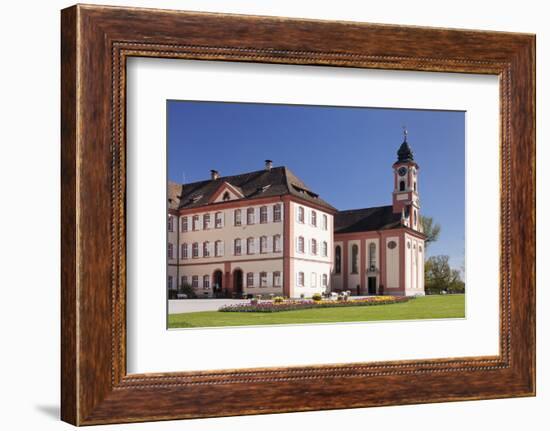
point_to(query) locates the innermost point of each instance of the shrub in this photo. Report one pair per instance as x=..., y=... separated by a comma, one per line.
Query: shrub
x=317, y=297
x=186, y=289
x=278, y=299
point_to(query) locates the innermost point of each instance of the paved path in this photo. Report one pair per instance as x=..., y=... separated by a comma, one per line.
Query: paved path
x=194, y=305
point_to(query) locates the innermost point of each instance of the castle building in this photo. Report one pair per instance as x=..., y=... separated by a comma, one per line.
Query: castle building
x=266, y=232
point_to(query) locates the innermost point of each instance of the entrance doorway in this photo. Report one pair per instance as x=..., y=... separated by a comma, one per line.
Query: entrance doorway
x=237, y=283
x=217, y=283
x=372, y=285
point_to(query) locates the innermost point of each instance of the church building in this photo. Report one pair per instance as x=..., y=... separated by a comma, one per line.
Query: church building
x=266, y=232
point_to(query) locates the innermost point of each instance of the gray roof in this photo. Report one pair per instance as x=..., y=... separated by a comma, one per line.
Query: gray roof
x=277, y=181
x=366, y=219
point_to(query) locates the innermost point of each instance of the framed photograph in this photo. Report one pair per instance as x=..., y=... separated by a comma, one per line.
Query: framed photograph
x=328, y=215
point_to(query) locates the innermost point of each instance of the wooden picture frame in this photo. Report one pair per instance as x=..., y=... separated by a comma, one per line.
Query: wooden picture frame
x=95, y=43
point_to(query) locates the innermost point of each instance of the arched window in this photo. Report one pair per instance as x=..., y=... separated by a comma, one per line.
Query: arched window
x=250, y=245
x=170, y=251
x=170, y=224
x=263, y=279
x=325, y=222
x=277, y=278
x=206, y=221
x=415, y=186
x=372, y=255
x=401, y=186
x=314, y=218
x=301, y=213
x=276, y=243
x=263, y=214
x=325, y=249
x=184, y=253
x=195, y=249
x=250, y=216
x=195, y=222
x=218, y=248
x=237, y=217
x=206, y=282
x=301, y=279
x=263, y=244
x=314, y=246
x=354, y=258
x=218, y=220
x=338, y=259
x=414, y=218
x=300, y=244
x=184, y=225
x=237, y=247
x=206, y=249
x=277, y=212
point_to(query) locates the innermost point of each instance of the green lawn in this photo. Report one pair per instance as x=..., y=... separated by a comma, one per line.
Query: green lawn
x=427, y=307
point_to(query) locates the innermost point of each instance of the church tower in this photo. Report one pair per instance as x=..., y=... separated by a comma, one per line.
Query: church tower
x=405, y=192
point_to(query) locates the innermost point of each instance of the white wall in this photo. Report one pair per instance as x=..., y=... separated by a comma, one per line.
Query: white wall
x=30, y=165
x=392, y=262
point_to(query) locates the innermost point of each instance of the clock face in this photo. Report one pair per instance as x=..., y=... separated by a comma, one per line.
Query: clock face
x=402, y=171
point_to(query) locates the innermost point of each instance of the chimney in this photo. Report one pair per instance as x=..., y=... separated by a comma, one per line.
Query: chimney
x=214, y=175
x=268, y=165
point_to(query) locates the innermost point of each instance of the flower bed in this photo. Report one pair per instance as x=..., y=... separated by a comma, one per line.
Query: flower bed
x=289, y=305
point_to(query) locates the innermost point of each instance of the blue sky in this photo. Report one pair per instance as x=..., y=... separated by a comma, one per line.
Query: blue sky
x=343, y=154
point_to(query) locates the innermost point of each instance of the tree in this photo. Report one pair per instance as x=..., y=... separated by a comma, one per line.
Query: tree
x=430, y=229
x=440, y=277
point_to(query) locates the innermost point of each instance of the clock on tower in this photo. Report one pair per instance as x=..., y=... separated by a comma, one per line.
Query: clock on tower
x=405, y=193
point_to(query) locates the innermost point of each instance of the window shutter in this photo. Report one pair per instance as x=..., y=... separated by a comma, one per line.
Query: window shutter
x=223, y=220
x=269, y=280
x=222, y=246
x=309, y=246
x=233, y=247
x=200, y=249
x=256, y=245
x=269, y=244
x=270, y=213
x=297, y=245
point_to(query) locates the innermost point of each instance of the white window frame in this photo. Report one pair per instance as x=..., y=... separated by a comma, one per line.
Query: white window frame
x=277, y=213
x=249, y=277
x=195, y=247
x=263, y=279
x=170, y=251
x=206, y=249
x=313, y=281
x=263, y=244
x=301, y=279
x=263, y=214
x=195, y=281
x=195, y=223
x=237, y=221
x=218, y=220
x=325, y=222
x=206, y=221
x=250, y=249
x=301, y=214
x=184, y=251
x=206, y=282
x=313, y=218
x=170, y=224
x=239, y=248
x=277, y=243
x=250, y=216
x=277, y=279
x=184, y=224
